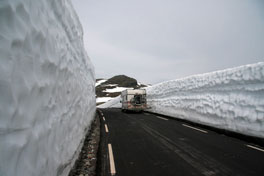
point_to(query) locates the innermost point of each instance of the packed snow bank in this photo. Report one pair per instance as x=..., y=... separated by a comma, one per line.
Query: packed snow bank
x=46, y=87
x=103, y=99
x=231, y=99
x=114, y=103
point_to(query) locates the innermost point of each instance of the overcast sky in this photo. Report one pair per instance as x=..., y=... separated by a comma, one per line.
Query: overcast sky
x=159, y=40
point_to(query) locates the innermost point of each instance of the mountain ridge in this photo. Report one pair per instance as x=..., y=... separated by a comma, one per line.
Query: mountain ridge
x=106, y=89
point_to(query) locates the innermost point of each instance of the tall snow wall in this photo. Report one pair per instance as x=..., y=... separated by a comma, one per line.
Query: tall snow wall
x=231, y=99
x=47, y=96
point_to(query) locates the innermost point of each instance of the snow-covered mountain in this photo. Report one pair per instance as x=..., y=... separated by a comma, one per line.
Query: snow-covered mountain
x=231, y=99
x=107, y=89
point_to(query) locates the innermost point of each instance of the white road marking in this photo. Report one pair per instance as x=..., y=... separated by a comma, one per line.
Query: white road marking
x=161, y=118
x=106, y=128
x=103, y=118
x=111, y=159
x=146, y=113
x=259, y=149
x=195, y=128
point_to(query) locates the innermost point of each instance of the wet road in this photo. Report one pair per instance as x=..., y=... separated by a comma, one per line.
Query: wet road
x=143, y=144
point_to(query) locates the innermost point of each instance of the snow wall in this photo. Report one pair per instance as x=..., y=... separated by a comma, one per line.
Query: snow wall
x=46, y=87
x=231, y=99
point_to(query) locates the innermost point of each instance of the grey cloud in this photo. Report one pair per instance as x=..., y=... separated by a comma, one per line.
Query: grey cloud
x=157, y=40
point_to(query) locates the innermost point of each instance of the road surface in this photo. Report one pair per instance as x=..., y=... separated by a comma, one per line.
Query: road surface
x=144, y=144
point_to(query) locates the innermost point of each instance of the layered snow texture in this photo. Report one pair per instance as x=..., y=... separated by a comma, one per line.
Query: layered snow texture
x=46, y=87
x=231, y=99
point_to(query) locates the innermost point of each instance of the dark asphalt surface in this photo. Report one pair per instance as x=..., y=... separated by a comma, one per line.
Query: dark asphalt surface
x=145, y=145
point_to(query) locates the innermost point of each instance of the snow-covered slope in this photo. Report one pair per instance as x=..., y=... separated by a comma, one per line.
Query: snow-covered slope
x=116, y=89
x=46, y=87
x=103, y=99
x=231, y=99
x=107, y=89
x=113, y=103
x=99, y=82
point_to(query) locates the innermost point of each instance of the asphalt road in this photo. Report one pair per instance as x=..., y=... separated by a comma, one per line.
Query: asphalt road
x=143, y=144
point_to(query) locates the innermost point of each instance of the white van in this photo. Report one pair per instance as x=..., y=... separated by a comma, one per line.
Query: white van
x=134, y=100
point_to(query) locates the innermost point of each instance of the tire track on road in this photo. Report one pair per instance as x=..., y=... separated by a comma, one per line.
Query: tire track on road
x=203, y=163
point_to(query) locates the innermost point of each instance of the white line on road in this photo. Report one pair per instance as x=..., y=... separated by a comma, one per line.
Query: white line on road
x=195, y=128
x=146, y=113
x=103, y=118
x=161, y=118
x=106, y=128
x=255, y=148
x=111, y=159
